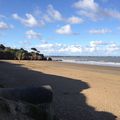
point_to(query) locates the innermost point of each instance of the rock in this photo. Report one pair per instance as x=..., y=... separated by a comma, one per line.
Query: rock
x=31, y=103
x=34, y=95
x=49, y=59
x=1, y=86
x=12, y=110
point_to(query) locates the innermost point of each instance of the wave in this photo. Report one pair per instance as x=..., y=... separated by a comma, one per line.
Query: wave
x=101, y=61
x=112, y=64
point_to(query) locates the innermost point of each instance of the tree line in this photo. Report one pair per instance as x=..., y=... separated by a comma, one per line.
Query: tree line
x=8, y=53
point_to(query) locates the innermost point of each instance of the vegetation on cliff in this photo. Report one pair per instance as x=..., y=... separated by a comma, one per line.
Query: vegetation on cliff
x=8, y=53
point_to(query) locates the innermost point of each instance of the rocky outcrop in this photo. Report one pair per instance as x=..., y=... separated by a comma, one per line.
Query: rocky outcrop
x=49, y=59
x=19, y=104
x=8, y=53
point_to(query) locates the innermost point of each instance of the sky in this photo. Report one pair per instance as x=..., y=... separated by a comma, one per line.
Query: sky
x=62, y=27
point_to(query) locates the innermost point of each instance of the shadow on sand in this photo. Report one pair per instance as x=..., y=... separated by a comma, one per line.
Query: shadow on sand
x=69, y=102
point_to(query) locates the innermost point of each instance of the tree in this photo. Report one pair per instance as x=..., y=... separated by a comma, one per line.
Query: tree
x=34, y=49
x=2, y=47
x=20, y=54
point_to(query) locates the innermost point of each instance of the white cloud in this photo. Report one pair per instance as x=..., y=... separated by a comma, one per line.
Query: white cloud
x=29, y=21
x=53, y=14
x=71, y=49
x=49, y=48
x=94, y=11
x=75, y=20
x=86, y=4
x=46, y=18
x=94, y=47
x=39, y=18
x=96, y=43
x=59, y=48
x=4, y=26
x=90, y=49
x=65, y=30
x=103, y=47
x=113, y=13
x=33, y=35
x=89, y=9
x=112, y=48
x=99, y=31
x=90, y=15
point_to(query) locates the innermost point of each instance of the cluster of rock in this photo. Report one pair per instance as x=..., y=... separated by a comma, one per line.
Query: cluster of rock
x=8, y=53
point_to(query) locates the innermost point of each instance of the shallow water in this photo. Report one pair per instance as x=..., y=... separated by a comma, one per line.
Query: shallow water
x=94, y=60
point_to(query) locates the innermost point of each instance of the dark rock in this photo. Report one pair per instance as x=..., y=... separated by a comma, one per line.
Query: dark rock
x=12, y=110
x=2, y=86
x=49, y=59
x=30, y=103
x=45, y=58
x=34, y=95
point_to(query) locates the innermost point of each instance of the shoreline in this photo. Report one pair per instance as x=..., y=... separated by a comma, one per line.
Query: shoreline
x=94, y=60
x=74, y=66
x=89, y=67
x=111, y=64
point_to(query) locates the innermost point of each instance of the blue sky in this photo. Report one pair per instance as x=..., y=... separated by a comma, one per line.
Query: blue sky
x=62, y=27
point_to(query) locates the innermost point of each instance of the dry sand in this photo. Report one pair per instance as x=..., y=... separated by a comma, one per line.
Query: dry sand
x=81, y=92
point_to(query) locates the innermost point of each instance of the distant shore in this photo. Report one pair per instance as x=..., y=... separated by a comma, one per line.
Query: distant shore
x=80, y=91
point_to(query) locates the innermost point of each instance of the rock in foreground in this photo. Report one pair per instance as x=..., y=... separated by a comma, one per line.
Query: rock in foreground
x=12, y=108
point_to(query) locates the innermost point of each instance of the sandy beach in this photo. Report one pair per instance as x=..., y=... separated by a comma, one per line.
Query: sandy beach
x=81, y=92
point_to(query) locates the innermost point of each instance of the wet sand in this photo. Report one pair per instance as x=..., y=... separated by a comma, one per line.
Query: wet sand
x=81, y=92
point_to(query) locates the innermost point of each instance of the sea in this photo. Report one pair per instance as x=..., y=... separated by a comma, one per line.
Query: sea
x=91, y=60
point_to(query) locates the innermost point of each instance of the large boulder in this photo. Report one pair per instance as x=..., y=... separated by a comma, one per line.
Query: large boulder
x=34, y=95
x=32, y=103
x=49, y=59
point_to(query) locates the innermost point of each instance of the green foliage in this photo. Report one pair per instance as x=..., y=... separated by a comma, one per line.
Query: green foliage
x=6, y=55
x=34, y=49
x=20, y=54
x=2, y=47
